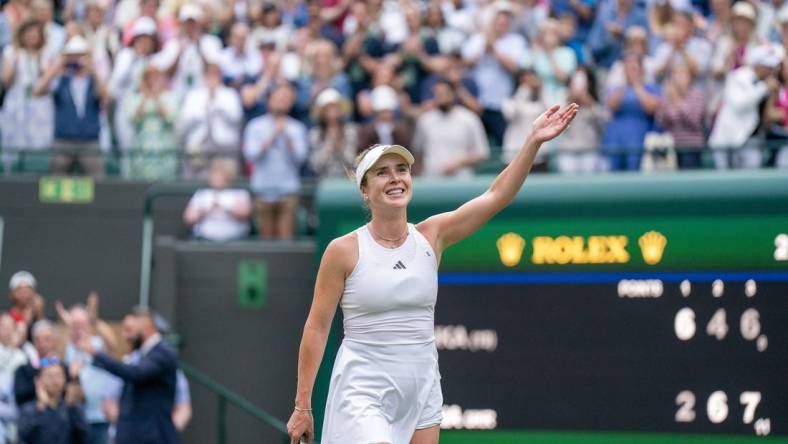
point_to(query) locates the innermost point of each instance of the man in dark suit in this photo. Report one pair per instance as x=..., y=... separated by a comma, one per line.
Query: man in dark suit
x=146, y=404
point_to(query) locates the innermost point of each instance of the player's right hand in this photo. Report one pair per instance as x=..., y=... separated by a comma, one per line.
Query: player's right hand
x=301, y=427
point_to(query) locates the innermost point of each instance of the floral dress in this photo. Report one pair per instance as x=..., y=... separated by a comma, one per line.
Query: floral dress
x=28, y=120
x=154, y=156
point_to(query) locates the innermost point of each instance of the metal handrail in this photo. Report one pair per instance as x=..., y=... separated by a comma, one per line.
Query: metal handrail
x=226, y=395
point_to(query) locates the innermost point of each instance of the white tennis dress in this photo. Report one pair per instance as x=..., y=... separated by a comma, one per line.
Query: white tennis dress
x=385, y=383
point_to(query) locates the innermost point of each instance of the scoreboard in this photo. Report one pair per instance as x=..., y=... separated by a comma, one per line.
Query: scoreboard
x=643, y=309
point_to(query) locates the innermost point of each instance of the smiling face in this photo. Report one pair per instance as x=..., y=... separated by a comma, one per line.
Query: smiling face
x=388, y=184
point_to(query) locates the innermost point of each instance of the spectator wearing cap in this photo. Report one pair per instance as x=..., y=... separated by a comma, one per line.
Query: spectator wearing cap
x=495, y=57
x=682, y=46
x=44, y=348
x=27, y=120
x=78, y=94
x=241, y=62
x=449, y=138
x=27, y=306
x=386, y=127
x=613, y=18
x=632, y=108
x=682, y=113
x=730, y=49
x=277, y=146
x=735, y=136
x=220, y=212
x=54, y=416
x=333, y=138
x=149, y=383
x=209, y=124
x=322, y=70
x=185, y=57
x=126, y=78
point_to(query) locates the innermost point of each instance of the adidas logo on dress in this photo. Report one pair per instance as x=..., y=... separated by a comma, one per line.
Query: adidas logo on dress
x=399, y=266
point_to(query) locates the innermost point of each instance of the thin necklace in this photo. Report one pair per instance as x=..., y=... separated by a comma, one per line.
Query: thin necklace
x=386, y=239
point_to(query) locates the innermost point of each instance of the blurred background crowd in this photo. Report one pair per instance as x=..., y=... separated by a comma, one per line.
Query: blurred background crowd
x=81, y=380
x=291, y=90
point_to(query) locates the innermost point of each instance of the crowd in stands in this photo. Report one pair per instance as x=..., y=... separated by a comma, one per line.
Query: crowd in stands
x=60, y=382
x=296, y=88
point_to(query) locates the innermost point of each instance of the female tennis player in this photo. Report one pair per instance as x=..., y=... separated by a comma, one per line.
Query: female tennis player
x=385, y=385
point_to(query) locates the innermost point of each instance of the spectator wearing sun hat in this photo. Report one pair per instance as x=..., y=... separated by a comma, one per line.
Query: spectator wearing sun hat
x=185, y=56
x=334, y=140
x=387, y=126
x=77, y=92
x=736, y=136
x=27, y=306
x=730, y=50
x=124, y=83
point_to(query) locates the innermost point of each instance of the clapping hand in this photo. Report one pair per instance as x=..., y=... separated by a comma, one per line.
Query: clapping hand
x=552, y=122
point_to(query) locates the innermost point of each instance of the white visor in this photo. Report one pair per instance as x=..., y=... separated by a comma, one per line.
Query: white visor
x=374, y=154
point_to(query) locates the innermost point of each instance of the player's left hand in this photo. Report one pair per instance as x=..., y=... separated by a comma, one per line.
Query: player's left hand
x=552, y=122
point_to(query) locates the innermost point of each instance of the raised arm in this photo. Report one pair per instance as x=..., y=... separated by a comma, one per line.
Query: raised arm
x=449, y=228
x=337, y=263
x=148, y=369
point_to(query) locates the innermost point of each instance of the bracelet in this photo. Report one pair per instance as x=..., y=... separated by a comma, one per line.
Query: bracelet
x=302, y=410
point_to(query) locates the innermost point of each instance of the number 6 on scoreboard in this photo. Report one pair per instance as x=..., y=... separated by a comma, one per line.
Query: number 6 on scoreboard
x=750, y=400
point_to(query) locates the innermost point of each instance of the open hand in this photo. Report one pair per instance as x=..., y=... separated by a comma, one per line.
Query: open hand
x=552, y=122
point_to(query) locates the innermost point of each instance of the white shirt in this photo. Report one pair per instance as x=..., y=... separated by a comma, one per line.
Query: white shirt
x=738, y=116
x=222, y=115
x=246, y=64
x=188, y=74
x=219, y=224
x=445, y=138
x=150, y=343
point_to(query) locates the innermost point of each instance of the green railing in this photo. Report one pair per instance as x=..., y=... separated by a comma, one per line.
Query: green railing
x=126, y=164
x=226, y=396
